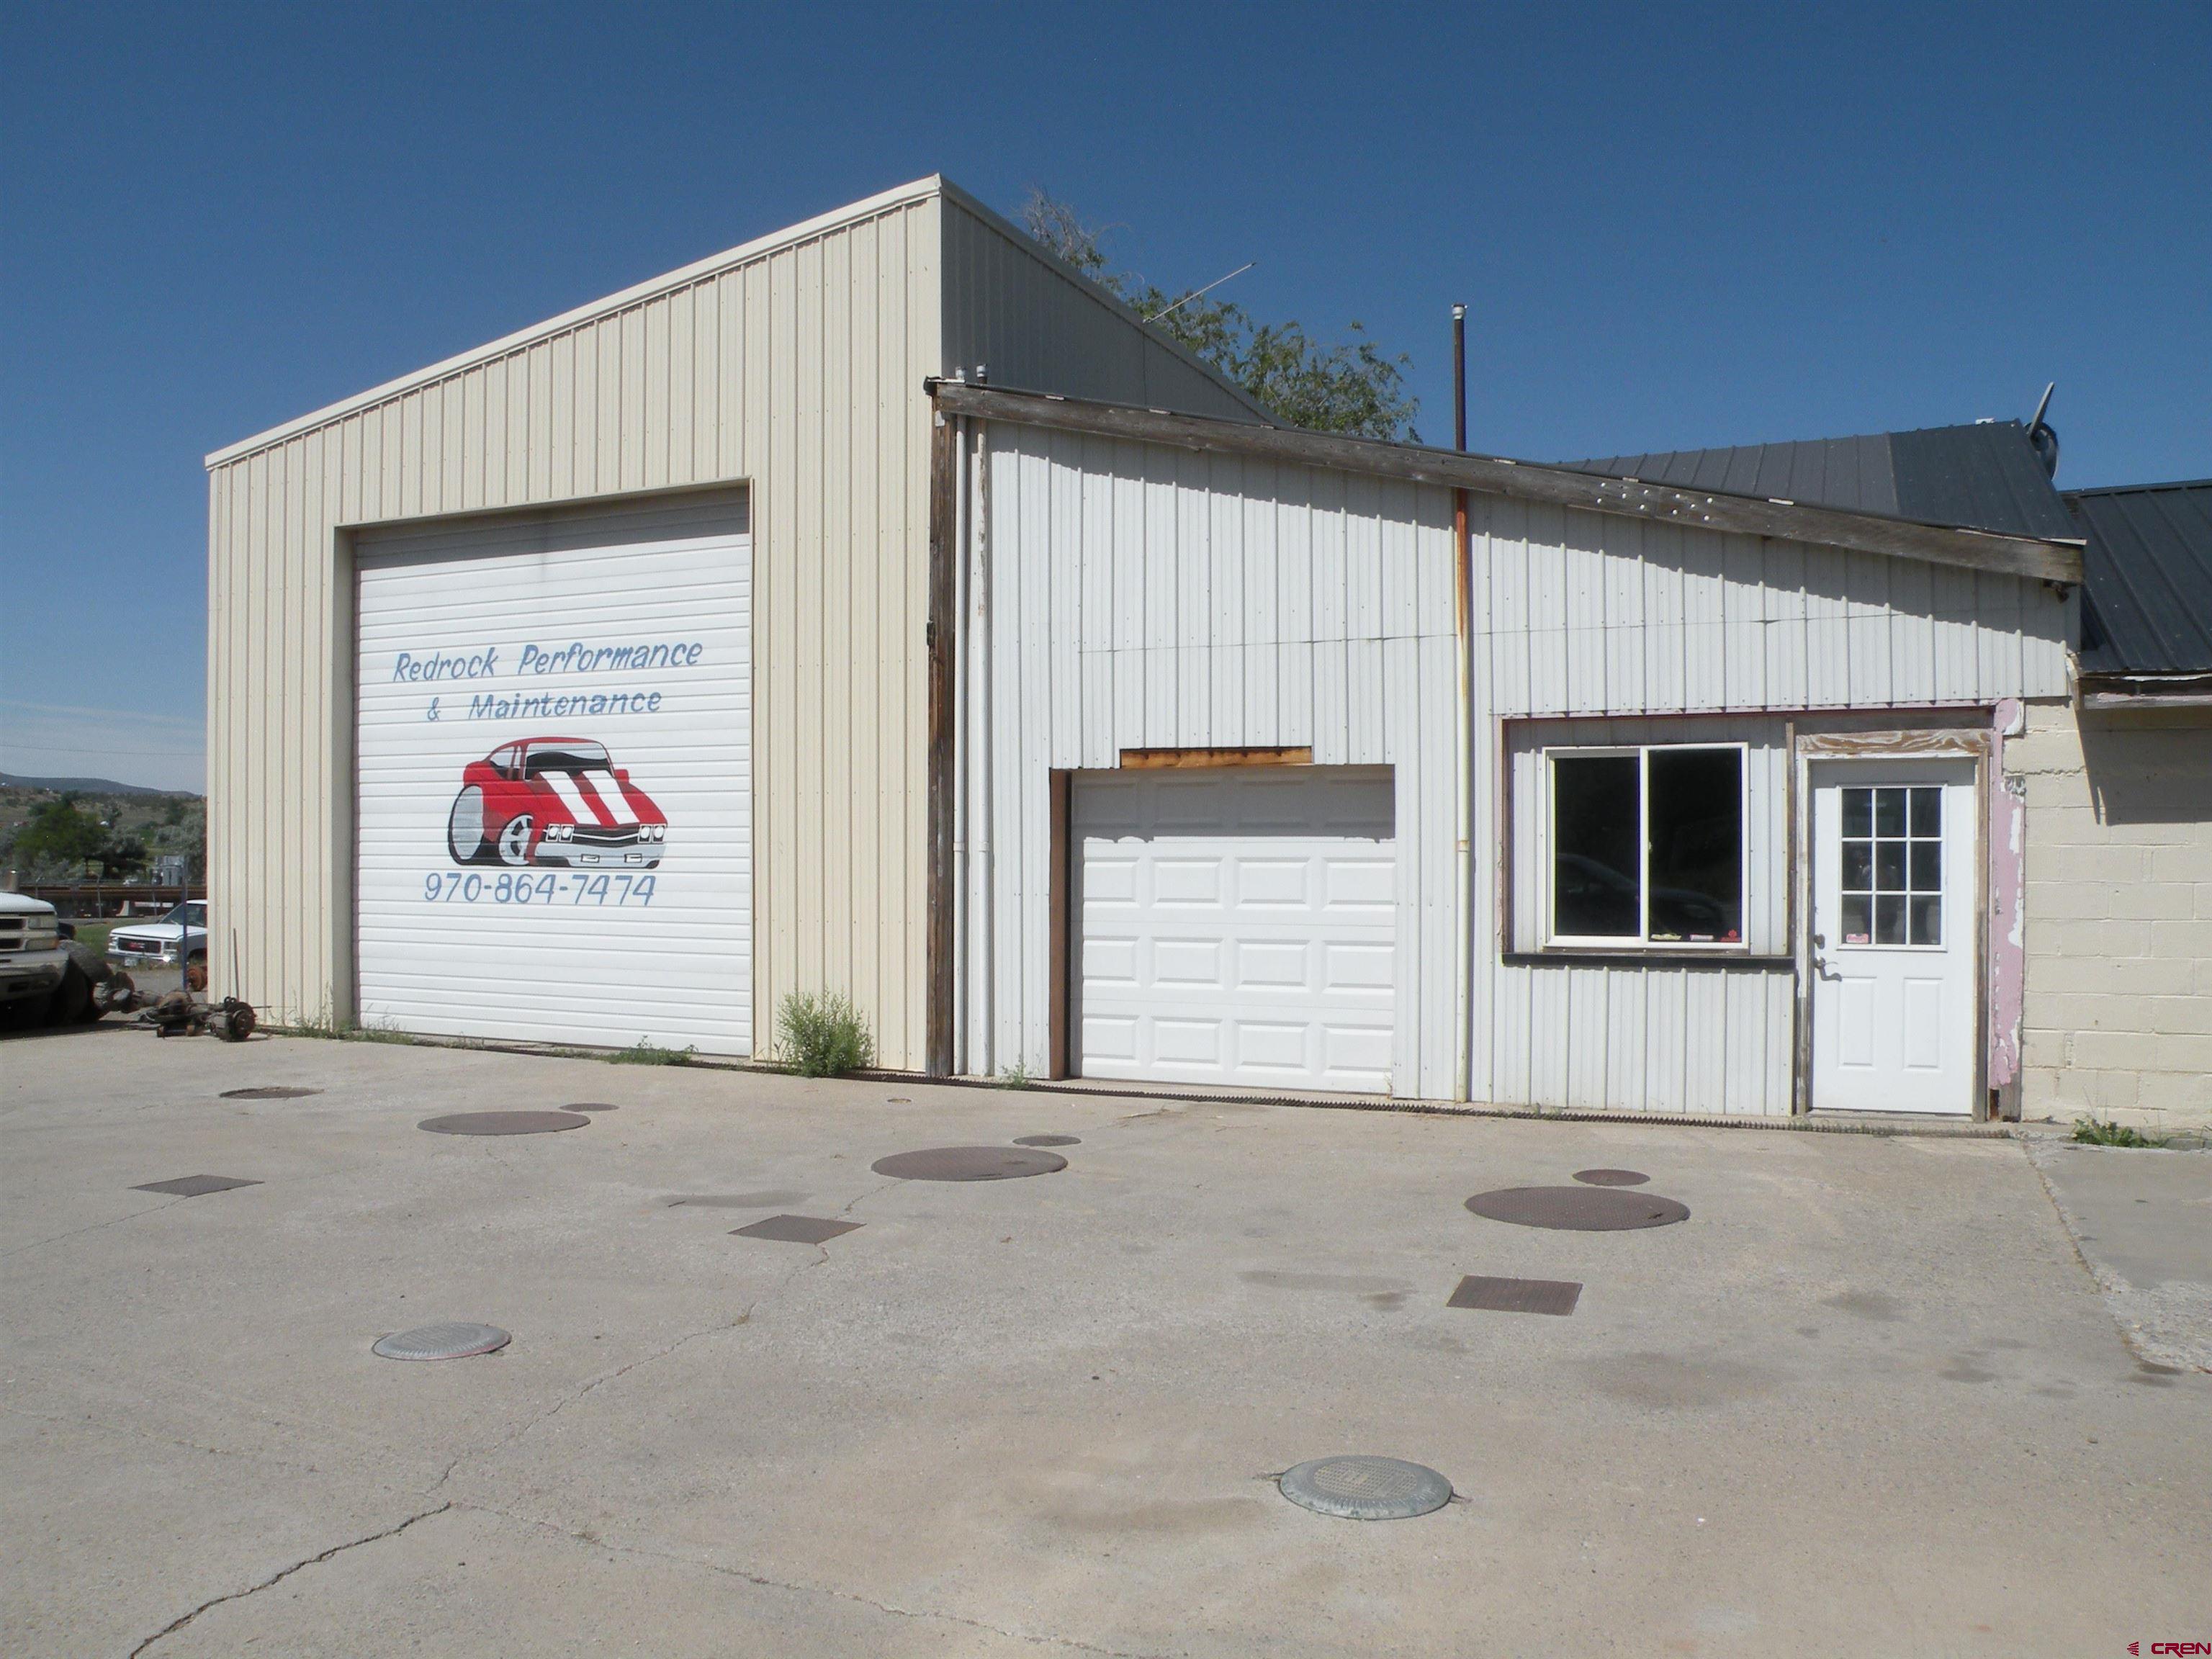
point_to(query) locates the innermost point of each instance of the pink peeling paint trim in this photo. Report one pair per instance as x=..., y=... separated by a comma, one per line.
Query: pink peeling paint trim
x=2007, y=909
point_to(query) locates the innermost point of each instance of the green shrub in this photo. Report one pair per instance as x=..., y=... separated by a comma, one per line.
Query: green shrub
x=823, y=1034
x=2094, y=1132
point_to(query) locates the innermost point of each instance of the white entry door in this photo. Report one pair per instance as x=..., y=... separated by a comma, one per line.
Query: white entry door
x=1895, y=955
x=1238, y=926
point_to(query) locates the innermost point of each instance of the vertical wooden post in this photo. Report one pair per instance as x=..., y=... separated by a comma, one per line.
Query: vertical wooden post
x=945, y=460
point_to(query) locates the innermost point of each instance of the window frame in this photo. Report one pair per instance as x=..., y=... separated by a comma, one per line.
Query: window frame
x=1641, y=942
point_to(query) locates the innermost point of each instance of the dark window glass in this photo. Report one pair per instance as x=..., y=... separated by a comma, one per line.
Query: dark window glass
x=1858, y=920
x=1858, y=812
x=1889, y=865
x=1858, y=867
x=1597, y=829
x=1928, y=919
x=1695, y=802
x=1889, y=919
x=1927, y=812
x=1889, y=811
x=1926, y=866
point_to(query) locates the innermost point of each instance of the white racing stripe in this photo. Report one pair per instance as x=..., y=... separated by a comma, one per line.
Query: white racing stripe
x=611, y=797
x=572, y=798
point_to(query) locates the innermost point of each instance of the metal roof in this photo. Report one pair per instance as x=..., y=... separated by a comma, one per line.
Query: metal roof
x=2147, y=578
x=1984, y=476
x=2056, y=558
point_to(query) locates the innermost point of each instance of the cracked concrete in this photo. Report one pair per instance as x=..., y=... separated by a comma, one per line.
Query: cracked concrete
x=1850, y=1408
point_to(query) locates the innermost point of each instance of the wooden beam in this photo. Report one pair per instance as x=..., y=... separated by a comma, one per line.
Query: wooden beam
x=1134, y=760
x=944, y=475
x=1628, y=498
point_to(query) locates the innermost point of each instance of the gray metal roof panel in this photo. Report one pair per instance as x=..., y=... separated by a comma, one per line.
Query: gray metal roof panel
x=2147, y=577
x=1984, y=476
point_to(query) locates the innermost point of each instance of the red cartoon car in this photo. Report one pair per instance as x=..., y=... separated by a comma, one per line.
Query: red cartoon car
x=553, y=800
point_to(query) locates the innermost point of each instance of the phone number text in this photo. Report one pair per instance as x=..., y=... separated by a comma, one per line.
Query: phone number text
x=609, y=887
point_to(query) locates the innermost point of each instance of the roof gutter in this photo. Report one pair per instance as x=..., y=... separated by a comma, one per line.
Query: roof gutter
x=2115, y=693
x=1628, y=498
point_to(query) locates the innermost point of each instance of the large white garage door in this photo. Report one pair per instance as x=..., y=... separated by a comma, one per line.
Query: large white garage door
x=554, y=765
x=1238, y=927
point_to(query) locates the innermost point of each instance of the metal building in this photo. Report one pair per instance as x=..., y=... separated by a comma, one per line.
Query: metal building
x=674, y=546
x=1228, y=704
x=741, y=634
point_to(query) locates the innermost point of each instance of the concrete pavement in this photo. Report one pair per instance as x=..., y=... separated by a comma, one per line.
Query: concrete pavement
x=1865, y=1400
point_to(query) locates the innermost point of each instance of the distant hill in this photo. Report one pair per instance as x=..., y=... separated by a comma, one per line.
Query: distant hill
x=85, y=786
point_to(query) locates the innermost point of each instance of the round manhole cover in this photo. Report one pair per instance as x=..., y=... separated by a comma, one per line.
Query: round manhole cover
x=457, y=1339
x=1578, y=1209
x=502, y=1123
x=591, y=1106
x=1611, y=1177
x=970, y=1163
x=268, y=1092
x=1367, y=1488
x=1047, y=1141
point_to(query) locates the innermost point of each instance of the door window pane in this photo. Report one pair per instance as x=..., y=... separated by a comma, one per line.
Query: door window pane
x=1891, y=879
x=1889, y=865
x=1926, y=866
x=1695, y=869
x=1858, y=812
x=1596, y=832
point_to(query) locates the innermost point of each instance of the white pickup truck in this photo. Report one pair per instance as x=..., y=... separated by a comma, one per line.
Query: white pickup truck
x=46, y=975
x=32, y=963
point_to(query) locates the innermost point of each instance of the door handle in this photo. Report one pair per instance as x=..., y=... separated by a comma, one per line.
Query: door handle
x=1820, y=962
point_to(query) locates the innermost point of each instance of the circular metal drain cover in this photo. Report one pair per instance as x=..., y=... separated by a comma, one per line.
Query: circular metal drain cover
x=1047, y=1141
x=271, y=1093
x=970, y=1163
x=1611, y=1177
x=502, y=1123
x=591, y=1106
x=1367, y=1488
x=455, y=1340
x=1578, y=1209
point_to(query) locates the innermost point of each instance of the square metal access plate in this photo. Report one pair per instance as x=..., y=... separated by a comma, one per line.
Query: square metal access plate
x=796, y=1230
x=1543, y=1296
x=195, y=1186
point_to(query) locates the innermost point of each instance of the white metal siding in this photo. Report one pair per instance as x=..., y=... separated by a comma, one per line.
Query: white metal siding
x=1236, y=926
x=1137, y=597
x=1125, y=595
x=585, y=943
x=1585, y=613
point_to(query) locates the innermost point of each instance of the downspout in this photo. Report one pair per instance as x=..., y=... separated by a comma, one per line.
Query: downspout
x=1462, y=746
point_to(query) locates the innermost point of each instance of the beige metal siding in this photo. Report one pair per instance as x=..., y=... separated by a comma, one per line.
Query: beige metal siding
x=1017, y=311
x=796, y=366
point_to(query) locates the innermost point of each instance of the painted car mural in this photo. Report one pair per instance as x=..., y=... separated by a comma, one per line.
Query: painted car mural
x=553, y=800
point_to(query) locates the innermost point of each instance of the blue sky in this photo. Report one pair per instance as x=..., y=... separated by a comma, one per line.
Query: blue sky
x=1675, y=227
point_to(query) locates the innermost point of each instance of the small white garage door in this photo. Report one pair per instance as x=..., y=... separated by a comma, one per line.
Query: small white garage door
x=1237, y=926
x=554, y=765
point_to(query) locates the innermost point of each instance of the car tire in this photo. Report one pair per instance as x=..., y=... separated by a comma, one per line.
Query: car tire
x=514, y=841
x=464, y=827
x=71, y=1001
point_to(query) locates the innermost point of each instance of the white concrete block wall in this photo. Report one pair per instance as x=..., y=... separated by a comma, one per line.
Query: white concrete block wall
x=2118, y=1013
